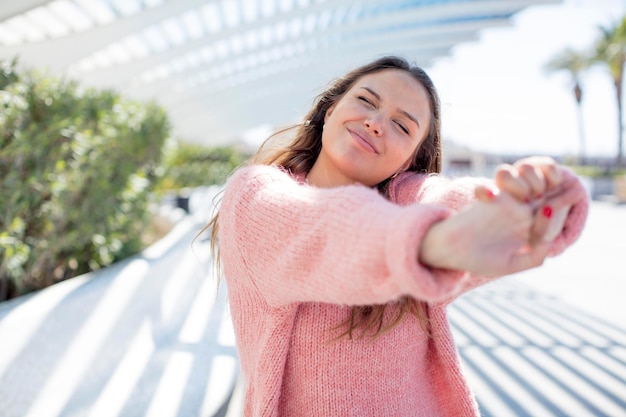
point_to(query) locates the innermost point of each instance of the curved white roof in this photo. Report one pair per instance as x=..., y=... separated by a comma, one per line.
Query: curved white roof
x=222, y=67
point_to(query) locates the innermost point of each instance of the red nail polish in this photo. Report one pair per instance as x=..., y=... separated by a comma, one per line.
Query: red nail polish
x=539, y=196
x=547, y=211
x=490, y=195
x=527, y=200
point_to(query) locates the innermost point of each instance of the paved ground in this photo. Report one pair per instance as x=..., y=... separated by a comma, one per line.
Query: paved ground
x=528, y=353
x=148, y=337
x=552, y=341
x=151, y=336
x=591, y=274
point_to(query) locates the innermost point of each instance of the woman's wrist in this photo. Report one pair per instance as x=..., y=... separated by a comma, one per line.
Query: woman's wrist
x=437, y=247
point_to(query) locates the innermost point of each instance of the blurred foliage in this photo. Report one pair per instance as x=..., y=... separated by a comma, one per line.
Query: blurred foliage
x=188, y=165
x=593, y=171
x=76, y=168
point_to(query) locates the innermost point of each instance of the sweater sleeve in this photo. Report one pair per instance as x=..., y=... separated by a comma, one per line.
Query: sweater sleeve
x=453, y=193
x=344, y=245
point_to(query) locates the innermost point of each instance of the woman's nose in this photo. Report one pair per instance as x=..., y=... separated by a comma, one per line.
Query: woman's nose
x=374, y=125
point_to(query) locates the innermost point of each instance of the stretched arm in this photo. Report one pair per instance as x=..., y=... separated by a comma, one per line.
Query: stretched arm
x=344, y=245
x=349, y=245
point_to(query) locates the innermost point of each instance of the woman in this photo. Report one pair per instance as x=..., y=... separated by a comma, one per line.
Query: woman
x=342, y=249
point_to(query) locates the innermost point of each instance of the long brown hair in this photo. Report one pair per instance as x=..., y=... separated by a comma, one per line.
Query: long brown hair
x=299, y=155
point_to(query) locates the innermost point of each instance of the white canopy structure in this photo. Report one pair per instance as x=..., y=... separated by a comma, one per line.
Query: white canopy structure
x=223, y=67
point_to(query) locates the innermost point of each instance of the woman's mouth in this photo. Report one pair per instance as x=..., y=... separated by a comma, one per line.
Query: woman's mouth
x=363, y=142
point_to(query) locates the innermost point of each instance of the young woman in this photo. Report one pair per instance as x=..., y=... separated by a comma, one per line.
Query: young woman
x=342, y=249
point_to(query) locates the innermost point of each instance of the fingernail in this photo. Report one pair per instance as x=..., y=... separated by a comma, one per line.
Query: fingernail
x=527, y=200
x=490, y=195
x=547, y=211
x=539, y=196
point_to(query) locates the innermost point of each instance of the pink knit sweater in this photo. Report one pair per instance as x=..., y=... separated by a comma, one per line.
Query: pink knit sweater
x=297, y=257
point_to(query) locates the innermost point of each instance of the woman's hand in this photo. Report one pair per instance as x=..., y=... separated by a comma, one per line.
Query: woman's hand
x=509, y=229
x=541, y=183
x=487, y=238
x=529, y=179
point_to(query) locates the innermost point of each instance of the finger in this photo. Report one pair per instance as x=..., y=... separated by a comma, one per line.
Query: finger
x=552, y=171
x=531, y=258
x=534, y=178
x=556, y=225
x=553, y=174
x=541, y=226
x=569, y=193
x=551, y=217
x=507, y=179
x=484, y=193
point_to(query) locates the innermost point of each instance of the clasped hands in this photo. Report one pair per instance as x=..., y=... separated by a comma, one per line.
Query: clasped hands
x=511, y=226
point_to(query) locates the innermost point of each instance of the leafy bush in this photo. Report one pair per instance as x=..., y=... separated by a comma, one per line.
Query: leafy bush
x=188, y=165
x=76, y=169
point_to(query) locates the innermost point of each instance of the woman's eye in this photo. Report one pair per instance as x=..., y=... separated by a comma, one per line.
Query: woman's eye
x=366, y=100
x=401, y=126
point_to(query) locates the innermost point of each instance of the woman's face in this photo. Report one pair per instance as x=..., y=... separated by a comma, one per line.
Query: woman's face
x=373, y=131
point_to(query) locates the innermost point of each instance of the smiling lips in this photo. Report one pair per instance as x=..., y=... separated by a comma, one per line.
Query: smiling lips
x=361, y=140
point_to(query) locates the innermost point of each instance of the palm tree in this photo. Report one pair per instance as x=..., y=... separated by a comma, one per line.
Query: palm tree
x=611, y=51
x=575, y=63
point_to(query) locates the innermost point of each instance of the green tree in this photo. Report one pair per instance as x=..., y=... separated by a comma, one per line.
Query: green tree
x=611, y=51
x=574, y=63
x=76, y=171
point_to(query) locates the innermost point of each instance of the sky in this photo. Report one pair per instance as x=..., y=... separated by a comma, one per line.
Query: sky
x=497, y=96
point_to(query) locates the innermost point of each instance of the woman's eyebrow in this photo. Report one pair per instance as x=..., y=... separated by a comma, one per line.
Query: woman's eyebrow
x=407, y=114
x=372, y=92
